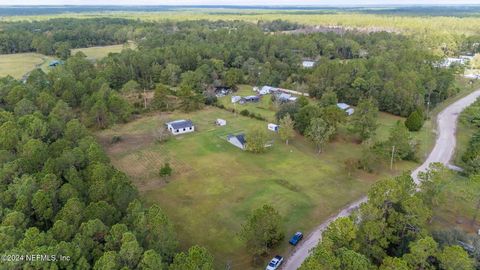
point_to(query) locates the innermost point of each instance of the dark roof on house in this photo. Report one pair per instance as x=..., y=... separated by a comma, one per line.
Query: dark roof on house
x=240, y=138
x=181, y=124
x=251, y=98
x=221, y=88
x=55, y=63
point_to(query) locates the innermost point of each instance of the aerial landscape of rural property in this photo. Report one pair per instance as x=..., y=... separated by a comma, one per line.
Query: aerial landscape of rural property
x=240, y=135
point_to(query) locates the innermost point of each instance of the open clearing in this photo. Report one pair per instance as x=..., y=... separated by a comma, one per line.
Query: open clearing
x=99, y=52
x=17, y=65
x=265, y=107
x=216, y=185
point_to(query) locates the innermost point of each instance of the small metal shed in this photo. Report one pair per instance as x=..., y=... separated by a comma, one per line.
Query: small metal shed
x=273, y=127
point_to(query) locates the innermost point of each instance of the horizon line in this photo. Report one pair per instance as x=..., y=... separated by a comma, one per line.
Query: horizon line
x=249, y=5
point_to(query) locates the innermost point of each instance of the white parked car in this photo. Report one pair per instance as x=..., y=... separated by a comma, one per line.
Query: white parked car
x=275, y=263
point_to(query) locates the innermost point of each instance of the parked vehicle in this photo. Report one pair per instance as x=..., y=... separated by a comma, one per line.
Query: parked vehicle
x=275, y=263
x=296, y=238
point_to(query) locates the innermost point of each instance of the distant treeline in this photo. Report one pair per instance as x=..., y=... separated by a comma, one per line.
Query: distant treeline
x=449, y=11
x=52, y=36
x=414, y=10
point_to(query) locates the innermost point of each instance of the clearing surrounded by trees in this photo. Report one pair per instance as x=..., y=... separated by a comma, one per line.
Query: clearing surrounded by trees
x=17, y=65
x=214, y=184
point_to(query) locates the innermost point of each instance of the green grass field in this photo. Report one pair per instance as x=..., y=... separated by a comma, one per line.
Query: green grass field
x=17, y=65
x=215, y=185
x=265, y=107
x=98, y=52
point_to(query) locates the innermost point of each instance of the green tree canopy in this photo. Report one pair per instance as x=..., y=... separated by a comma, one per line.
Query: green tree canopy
x=263, y=230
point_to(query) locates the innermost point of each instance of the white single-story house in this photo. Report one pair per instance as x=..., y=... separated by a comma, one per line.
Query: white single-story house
x=471, y=76
x=273, y=127
x=308, y=64
x=180, y=126
x=346, y=108
x=450, y=61
x=221, y=122
x=283, y=97
x=251, y=98
x=466, y=57
x=267, y=90
x=237, y=140
x=343, y=106
x=235, y=99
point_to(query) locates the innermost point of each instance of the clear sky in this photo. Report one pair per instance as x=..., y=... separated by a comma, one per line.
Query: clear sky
x=237, y=2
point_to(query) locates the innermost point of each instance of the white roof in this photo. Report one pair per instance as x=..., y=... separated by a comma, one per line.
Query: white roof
x=350, y=111
x=308, y=63
x=176, y=121
x=471, y=76
x=267, y=88
x=284, y=96
x=450, y=61
x=468, y=57
x=343, y=106
x=235, y=98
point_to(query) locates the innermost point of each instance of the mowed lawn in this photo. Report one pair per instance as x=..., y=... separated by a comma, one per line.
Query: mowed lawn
x=99, y=52
x=216, y=185
x=265, y=107
x=17, y=65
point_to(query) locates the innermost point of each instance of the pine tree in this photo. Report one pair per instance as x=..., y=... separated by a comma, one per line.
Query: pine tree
x=414, y=122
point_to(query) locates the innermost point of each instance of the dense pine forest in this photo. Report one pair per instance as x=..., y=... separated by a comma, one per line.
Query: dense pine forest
x=394, y=69
x=60, y=194
x=398, y=72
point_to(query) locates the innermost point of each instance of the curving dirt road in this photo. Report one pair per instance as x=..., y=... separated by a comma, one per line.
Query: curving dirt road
x=442, y=152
